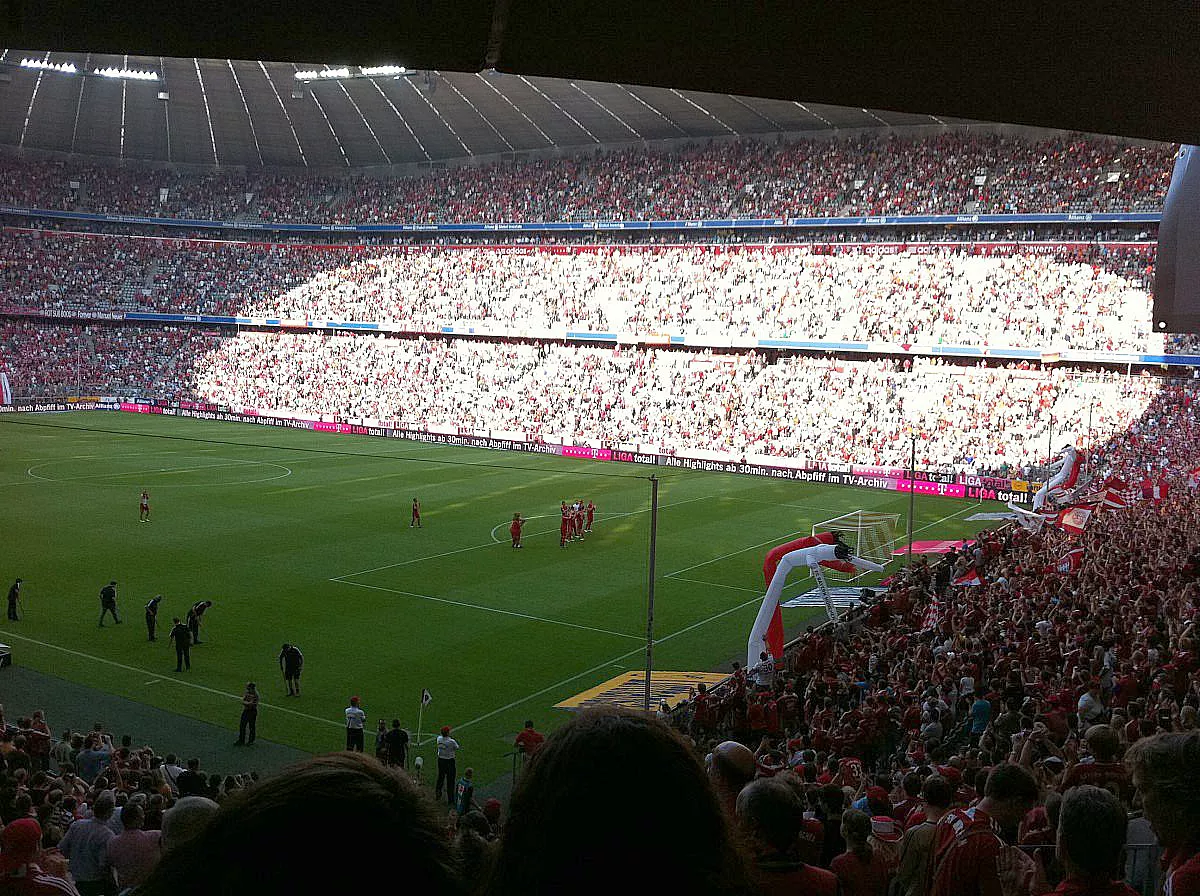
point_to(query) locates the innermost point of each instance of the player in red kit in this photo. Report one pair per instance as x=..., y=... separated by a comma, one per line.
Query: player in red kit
x=514, y=529
x=565, y=527
x=144, y=513
x=416, y=515
x=591, y=515
x=577, y=520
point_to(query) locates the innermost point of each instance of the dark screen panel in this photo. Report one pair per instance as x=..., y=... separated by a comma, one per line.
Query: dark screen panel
x=1177, y=265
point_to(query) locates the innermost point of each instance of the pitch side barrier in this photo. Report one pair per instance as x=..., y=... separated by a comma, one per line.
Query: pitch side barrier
x=942, y=484
x=585, y=226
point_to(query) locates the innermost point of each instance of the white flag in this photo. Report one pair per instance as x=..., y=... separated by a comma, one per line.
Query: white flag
x=426, y=697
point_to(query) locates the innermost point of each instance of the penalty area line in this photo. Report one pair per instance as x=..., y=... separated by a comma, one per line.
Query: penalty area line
x=186, y=684
x=609, y=662
x=460, y=603
x=615, y=660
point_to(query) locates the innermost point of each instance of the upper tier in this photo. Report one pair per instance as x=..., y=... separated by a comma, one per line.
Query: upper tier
x=952, y=173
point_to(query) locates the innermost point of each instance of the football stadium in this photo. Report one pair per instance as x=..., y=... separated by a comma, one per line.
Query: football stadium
x=500, y=482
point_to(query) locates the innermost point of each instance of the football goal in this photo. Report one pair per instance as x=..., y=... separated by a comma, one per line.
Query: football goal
x=870, y=534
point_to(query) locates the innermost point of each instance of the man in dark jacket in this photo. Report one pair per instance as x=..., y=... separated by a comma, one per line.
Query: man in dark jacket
x=183, y=645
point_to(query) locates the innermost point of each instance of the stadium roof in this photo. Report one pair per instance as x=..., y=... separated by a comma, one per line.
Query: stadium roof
x=1118, y=68
x=218, y=111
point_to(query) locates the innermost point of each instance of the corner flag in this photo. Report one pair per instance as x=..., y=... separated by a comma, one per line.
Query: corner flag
x=426, y=697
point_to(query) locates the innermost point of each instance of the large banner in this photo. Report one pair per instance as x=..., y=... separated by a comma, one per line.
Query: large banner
x=932, y=483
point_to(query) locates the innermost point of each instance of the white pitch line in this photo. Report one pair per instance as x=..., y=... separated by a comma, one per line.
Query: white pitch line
x=459, y=603
x=488, y=544
x=178, y=681
x=254, y=463
x=717, y=585
x=672, y=575
x=683, y=631
x=609, y=662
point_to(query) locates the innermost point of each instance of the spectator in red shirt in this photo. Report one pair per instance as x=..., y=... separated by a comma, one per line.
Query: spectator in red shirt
x=529, y=741
x=970, y=844
x=1091, y=844
x=862, y=870
x=771, y=814
x=1104, y=771
x=1164, y=770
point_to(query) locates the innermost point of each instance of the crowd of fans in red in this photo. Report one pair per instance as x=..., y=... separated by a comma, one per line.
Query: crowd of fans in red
x=866, y=175
x=914, y=704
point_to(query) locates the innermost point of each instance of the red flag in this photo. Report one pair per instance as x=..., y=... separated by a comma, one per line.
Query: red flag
x=929, y=620
x=1074, y=519
x=1070, y=561
x=970, y=577
x=1155, y=490
x=1113, y=498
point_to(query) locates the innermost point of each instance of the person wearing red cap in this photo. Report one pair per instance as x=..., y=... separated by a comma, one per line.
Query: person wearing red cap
x=447, y=750
x=491, y=811
x=356, y=721
x=20, y=871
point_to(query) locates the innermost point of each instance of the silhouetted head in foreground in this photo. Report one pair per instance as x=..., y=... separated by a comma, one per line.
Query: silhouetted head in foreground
x=615, y=801
x=313, y=828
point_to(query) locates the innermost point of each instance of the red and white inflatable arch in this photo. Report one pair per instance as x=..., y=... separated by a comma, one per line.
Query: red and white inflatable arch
x=813, y=551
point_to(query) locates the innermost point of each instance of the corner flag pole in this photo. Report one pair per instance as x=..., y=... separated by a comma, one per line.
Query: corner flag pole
x=650, y=589
x=420, y=716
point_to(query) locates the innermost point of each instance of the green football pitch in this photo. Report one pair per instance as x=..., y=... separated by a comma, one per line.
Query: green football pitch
x=304, y=537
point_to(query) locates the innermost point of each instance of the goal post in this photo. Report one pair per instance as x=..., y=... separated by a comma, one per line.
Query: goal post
x=870, y=534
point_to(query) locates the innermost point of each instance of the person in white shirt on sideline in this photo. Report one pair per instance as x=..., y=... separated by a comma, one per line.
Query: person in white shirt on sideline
x=447, y=749
x=356, y=719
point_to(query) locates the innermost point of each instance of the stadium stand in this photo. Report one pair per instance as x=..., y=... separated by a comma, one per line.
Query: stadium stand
x=1062, y=296
x=868, y=175
x=1043, y=679
x=976, y=418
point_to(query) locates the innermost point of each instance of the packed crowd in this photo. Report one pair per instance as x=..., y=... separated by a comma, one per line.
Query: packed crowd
x=736, y=824
x=749, y=405
x=907, y=707
x=66, y=272
x=972, y=172
x=1081, y=296
x=102, y=811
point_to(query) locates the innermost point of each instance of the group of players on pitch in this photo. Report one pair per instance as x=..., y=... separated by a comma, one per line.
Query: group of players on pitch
x=577, y=520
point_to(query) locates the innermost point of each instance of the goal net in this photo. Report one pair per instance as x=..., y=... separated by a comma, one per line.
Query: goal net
x=870, y=534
